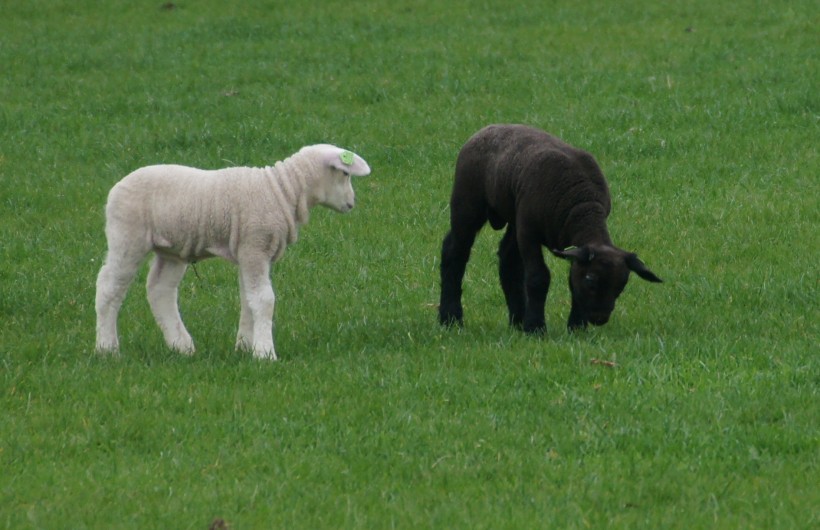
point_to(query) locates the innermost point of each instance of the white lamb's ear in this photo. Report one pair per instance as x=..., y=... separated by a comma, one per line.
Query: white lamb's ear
x=349, y=162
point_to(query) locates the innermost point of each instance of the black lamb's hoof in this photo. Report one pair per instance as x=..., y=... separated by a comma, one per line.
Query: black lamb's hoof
x=516, y=322
x=575, y=325
x=535, y=330
x=450, y=320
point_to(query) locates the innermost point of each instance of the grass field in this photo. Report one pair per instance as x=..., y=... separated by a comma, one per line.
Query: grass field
x=704, y=117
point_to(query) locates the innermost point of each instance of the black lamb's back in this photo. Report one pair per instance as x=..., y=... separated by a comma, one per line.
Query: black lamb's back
x=525, y=174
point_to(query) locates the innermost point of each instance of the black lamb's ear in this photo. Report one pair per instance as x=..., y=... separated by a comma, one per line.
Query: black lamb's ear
x=638, y=266
x=582, y=254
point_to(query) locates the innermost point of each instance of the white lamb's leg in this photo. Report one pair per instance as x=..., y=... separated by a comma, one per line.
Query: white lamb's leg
x=255, y=277
x=244, y=337
x=115, y=276
x=163, y=283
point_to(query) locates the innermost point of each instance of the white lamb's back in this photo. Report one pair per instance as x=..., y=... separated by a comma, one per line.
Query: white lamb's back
x=185, y=208
x=178, y=185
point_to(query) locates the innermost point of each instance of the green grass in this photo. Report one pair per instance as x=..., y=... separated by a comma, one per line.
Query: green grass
x=704, y=117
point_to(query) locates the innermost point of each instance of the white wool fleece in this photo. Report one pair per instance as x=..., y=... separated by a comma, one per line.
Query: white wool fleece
x=195, y=214
x=246, y=215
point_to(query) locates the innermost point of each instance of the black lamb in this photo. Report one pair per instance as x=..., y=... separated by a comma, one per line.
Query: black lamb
x=547, y=193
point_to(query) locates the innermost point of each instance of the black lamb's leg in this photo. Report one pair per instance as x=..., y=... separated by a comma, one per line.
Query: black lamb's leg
x=455, y=253
x=511, y=274
x=468, y=214
x=536, y=283
x=577, y=320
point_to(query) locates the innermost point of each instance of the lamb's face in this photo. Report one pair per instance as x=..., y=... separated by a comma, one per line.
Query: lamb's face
x=336, y=191
x=596, y=284
x=597, y=277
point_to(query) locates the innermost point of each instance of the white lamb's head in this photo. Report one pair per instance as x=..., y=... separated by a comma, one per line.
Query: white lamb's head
x=332, y=188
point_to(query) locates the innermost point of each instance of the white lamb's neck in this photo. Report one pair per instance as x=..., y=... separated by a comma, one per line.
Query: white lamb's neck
x=290, y=188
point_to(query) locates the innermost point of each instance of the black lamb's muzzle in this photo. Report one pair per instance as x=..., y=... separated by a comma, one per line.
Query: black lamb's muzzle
x=598, y=316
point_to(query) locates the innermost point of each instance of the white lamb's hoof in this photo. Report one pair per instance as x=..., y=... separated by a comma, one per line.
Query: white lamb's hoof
x=107, y=349
x=267, y=354
x=184, y=347
x=243, y=345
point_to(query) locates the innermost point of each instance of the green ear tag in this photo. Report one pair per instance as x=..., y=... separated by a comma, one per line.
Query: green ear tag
x=346, y=157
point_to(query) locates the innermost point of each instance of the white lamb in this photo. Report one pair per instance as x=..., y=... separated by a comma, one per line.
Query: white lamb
x=245, y=215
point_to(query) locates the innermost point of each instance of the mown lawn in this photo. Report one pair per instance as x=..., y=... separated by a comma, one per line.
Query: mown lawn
x=697, y=406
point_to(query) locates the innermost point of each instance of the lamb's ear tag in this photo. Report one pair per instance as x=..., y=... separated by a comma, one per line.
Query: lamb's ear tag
x=346, y=157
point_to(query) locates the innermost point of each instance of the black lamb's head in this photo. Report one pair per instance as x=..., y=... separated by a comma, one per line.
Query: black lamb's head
x=597, y=276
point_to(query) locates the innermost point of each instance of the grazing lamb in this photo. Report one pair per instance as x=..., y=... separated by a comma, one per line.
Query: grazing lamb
x=547, y=193
x=245, y=215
